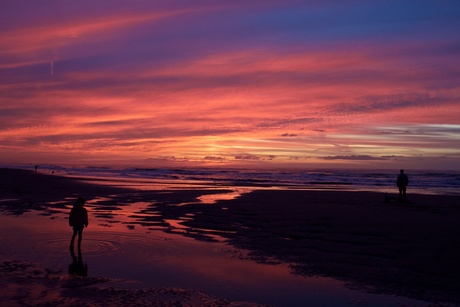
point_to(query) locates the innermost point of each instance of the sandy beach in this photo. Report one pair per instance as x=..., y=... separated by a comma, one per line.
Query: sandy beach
x=406, y=249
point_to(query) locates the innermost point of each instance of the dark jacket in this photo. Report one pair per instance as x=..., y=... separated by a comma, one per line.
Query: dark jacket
x=78, y=216
x=402, y=180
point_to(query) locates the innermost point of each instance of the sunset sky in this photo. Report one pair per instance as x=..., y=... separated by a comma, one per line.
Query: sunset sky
x=262, y=83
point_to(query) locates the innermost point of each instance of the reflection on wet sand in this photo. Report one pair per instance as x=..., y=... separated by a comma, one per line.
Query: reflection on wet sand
x=410, y=251
x=77, y=266
x=365, y=244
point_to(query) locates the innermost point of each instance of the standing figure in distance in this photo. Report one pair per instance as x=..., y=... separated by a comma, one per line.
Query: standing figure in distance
x=78, y=219
x=402, y=182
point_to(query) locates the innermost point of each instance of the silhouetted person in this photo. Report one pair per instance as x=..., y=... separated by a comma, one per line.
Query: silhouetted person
x=78, y=267
x=402, y=181
x=78, y=219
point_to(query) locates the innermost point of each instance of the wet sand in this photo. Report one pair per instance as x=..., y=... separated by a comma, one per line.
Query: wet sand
x=408, y=249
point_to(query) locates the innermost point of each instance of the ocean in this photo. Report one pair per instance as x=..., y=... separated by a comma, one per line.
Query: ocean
x=425, y=182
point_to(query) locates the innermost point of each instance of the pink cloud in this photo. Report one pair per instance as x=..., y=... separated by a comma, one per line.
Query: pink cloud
x=138, y=84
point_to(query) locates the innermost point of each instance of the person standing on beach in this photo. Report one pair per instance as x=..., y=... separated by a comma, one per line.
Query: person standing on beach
x=78, y=219
x=402, y=182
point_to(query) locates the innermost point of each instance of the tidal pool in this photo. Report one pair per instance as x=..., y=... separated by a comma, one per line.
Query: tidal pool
x=166, y=256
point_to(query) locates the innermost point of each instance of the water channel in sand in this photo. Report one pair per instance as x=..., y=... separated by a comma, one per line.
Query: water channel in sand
x=164, y=255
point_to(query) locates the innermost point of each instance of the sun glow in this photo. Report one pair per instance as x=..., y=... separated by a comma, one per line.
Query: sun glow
x=153, y=84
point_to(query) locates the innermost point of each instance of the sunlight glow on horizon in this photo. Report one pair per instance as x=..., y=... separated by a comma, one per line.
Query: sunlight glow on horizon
x=176, y=84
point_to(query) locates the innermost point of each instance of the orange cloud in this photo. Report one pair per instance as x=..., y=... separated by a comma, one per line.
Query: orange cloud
x=80, y=91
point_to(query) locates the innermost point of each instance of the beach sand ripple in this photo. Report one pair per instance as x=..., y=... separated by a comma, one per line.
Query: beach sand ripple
x=408, y=249
x=25, y=284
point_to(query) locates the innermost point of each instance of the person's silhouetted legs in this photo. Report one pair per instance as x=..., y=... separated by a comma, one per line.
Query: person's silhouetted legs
x=72, y=240
x=76, y=231
x=402, y=193
x=80, y=237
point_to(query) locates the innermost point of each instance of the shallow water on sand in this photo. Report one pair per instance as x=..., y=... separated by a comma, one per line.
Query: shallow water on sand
x=159, y=256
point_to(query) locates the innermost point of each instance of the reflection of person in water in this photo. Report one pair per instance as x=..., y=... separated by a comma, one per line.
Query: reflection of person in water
x=78, y=219
x=402, y=181
x=78, y=267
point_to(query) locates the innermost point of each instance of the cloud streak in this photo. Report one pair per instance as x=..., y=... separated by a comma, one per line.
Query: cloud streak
x=289, y=83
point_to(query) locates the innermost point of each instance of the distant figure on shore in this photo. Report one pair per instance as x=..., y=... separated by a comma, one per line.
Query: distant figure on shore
x=78, y=219
x=402, y=182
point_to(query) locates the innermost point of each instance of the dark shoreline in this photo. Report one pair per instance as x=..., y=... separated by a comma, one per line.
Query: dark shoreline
x=408, y=249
